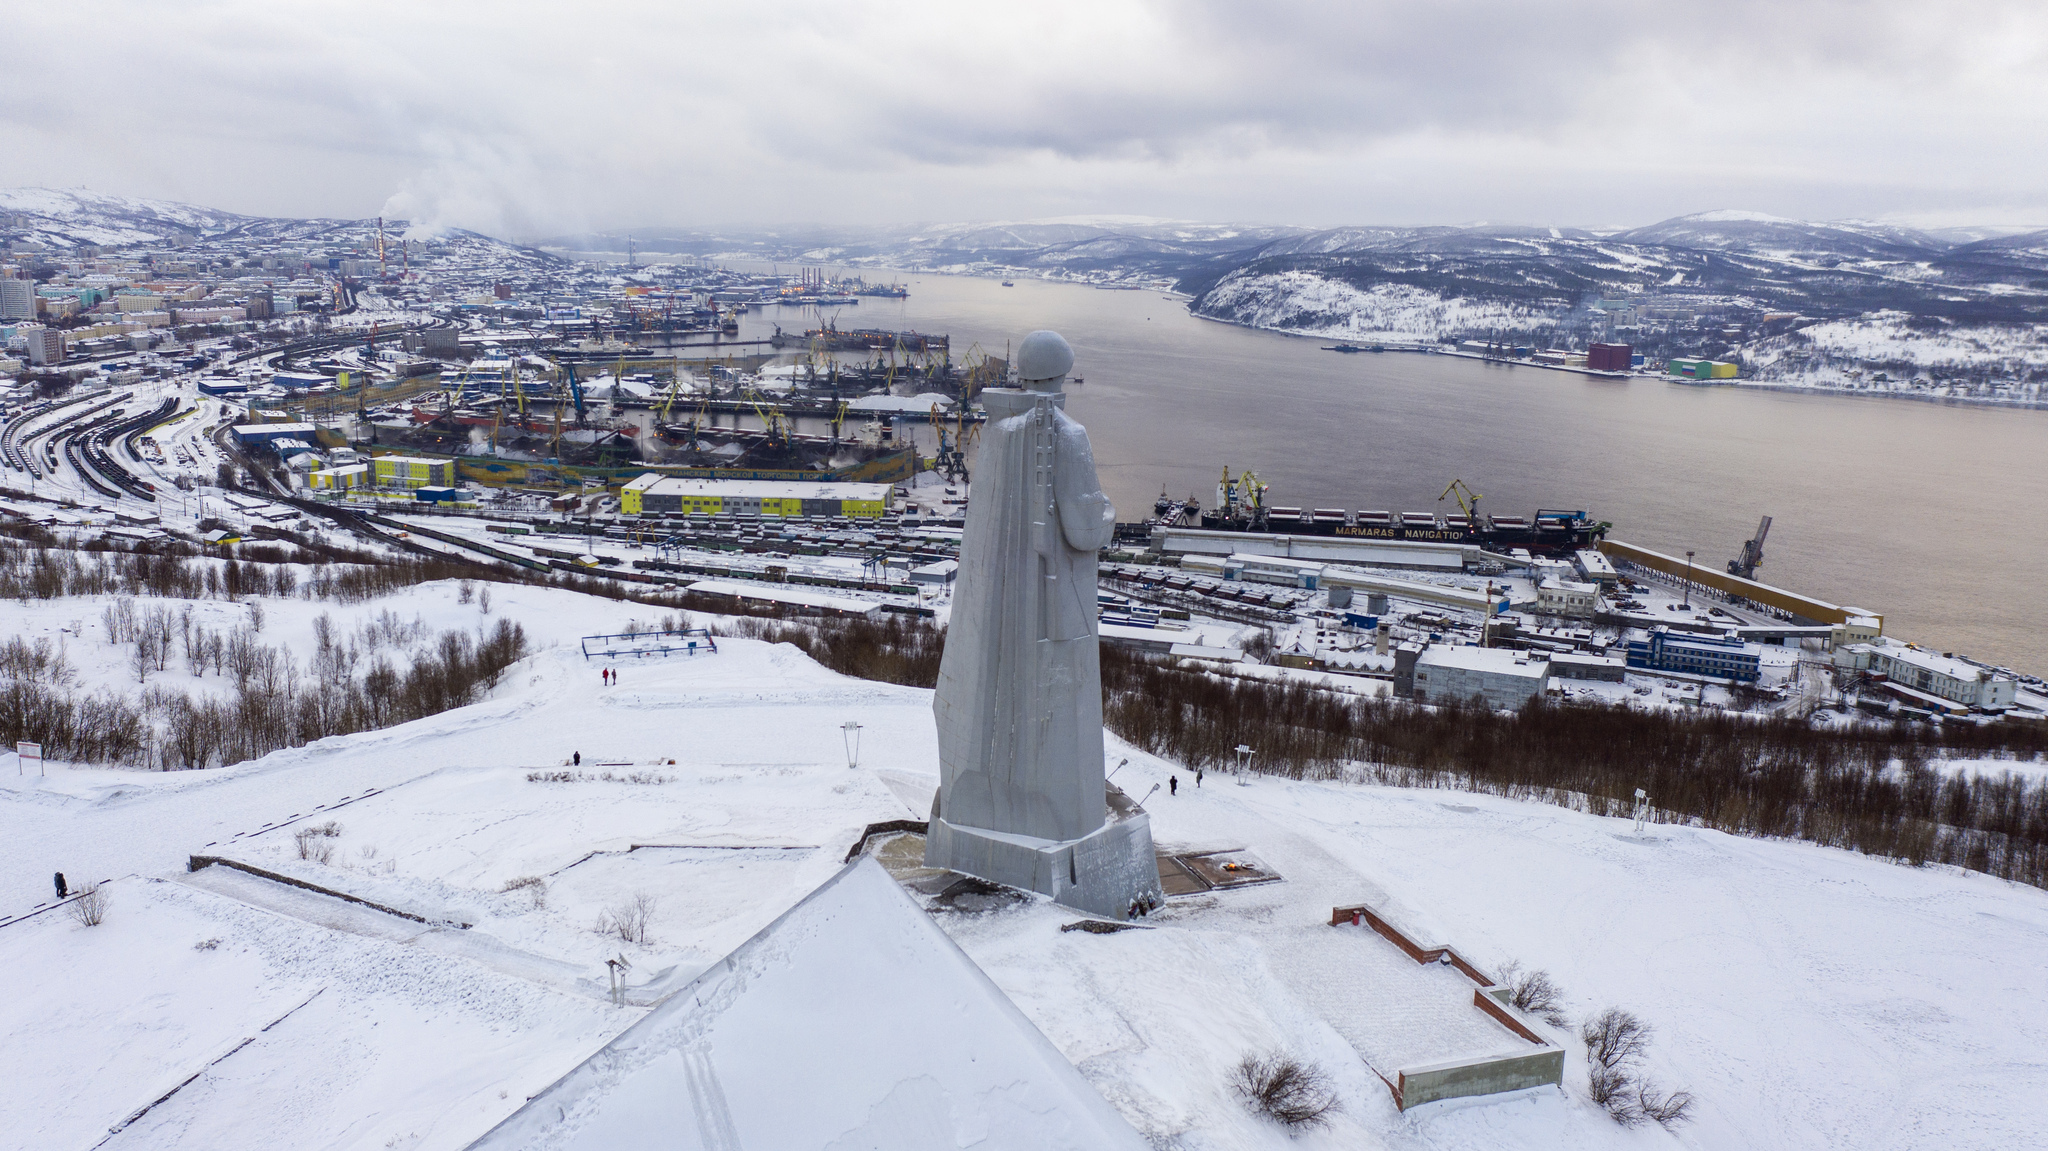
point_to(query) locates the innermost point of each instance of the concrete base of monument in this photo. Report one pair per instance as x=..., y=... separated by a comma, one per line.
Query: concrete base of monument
x=1108, y=872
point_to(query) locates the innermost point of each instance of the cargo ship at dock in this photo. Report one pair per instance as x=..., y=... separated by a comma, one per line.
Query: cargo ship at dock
x=1241, y=506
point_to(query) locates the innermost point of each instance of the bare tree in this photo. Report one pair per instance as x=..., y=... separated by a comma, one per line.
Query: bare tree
x=1292, y=1093
x=483, y=599
x=628, y=920
x=1616, y=1042
x=1615, y=1038
x=144, y=658
x=90, y=907
x=1534, y=992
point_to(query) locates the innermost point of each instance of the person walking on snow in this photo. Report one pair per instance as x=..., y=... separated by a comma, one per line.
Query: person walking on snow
x=1173, y=785
x=1198, y=777
x=576, y=759
x=63, y=889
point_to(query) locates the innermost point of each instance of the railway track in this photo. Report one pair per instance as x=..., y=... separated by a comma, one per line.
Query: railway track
x=88, y=446
x=21, y=450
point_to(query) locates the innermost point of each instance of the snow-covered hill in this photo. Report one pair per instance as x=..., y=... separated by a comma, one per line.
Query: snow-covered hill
x=64, y=218
x=1807, y=996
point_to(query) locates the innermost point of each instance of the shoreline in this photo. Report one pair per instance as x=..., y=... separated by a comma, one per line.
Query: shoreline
x=1421, y=347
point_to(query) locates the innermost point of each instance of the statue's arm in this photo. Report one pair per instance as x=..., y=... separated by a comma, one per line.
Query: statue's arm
x=1087, y=519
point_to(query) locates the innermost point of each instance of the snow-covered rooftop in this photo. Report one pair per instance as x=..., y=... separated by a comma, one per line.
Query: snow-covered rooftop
x=850, y=1021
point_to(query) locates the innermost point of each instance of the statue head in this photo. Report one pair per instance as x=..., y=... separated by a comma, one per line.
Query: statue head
x=1043, y=360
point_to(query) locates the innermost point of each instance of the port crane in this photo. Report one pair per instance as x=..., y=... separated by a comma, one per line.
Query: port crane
x=575, y=393
x=1468, y=500
x=1752, y=552
x=1242, y=498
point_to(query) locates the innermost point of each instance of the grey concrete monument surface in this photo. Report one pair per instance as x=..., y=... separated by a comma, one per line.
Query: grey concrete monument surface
x=1022, y=800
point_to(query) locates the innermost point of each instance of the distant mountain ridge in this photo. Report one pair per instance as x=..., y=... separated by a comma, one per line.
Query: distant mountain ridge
x=63, y=219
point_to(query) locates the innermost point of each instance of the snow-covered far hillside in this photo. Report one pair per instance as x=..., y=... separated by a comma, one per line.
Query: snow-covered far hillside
x=1310, y=304
x=66, y=217
x=1809, y=997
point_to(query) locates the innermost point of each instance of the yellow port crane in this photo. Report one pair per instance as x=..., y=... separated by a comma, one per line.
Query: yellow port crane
x=1241, y=498
x=1468, y=500
x=771, y=418
x=675, y=388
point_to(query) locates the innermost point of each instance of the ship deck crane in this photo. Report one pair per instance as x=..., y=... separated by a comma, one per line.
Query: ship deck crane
x=1752, y=552
x=1468, y=500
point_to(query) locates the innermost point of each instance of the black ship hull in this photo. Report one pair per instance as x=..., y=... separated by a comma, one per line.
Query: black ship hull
x=1549, y=538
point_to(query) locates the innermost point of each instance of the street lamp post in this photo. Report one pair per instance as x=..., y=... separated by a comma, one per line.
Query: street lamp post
x=851, y=730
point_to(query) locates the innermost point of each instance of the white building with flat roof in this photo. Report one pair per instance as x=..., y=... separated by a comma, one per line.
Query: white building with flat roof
x=1567, y=598
x=1952, y=679
x=1504, y=679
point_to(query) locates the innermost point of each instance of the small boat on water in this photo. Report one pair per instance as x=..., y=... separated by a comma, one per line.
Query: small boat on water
x=1008, y=284
x=1347, y=349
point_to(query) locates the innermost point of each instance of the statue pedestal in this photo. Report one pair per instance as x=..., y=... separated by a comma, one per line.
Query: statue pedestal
x=1104, y=872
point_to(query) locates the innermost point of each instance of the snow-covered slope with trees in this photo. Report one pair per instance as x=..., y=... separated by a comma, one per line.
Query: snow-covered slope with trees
x=1807, y=996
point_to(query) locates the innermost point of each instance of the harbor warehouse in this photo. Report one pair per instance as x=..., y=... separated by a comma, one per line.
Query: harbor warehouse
x=653, y=494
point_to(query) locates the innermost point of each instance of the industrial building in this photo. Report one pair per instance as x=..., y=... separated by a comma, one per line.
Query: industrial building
x=444, y=342
x=1700, y=369
x=654, y=494
x=1567, y=598
x=1713, y=656
x=1949, y=678
x=1609, y=357
x=412, y=472
x=248, y=434
x=1595, y=568
x=1504, y=679
x=338, y=479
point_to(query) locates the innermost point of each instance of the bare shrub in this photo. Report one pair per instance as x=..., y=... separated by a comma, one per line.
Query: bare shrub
x=207, y=944
x=1284, y=1089
x=1534, y=992
x=315, y=841
x=90, y=908
x=628, y=920
x=1614, y=1089
x=466, y=592
x=534, y=886
x=1669, y=1109
x=1615, y=1038
x=1615, y=1044
x=483, y=600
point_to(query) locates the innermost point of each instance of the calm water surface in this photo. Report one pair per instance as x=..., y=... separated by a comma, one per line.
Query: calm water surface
x=1935, y=516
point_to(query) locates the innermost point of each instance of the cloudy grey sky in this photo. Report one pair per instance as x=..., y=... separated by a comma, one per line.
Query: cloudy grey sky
x=527, y=119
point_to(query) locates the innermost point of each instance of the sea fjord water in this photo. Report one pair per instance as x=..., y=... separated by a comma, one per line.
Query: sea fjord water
x=1934, y=515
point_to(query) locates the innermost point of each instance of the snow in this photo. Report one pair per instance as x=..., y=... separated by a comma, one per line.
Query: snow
x=1307, y=303
x=852, y=1001
x=1808, y=996
x=1736, y=215
x=922, y=402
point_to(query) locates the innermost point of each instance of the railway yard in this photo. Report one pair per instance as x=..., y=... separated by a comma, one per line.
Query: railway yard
x=500, y=408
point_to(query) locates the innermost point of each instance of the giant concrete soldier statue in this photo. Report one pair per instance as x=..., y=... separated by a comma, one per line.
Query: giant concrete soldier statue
x=1019, y=703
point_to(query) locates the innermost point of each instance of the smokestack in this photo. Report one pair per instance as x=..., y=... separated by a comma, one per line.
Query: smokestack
x=1380, y=636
